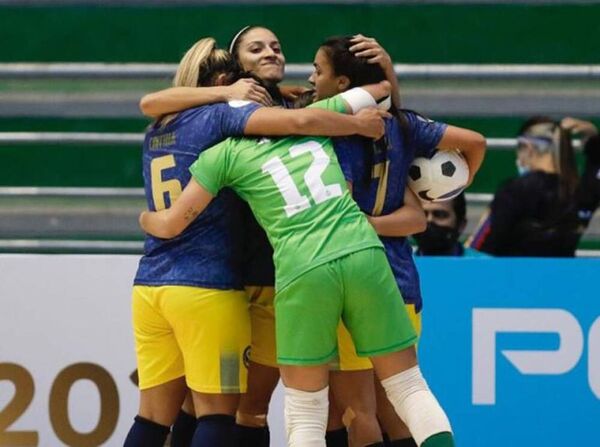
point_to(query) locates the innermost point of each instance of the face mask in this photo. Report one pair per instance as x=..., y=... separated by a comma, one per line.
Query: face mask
x=437, y=240
x=522, y=169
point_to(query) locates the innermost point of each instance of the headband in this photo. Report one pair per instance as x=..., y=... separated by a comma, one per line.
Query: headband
x=237, y=36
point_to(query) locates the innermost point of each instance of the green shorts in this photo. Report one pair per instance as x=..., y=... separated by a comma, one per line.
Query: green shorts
x=358, y=288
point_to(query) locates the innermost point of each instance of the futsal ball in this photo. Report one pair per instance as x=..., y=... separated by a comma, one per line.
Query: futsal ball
x=441, y=177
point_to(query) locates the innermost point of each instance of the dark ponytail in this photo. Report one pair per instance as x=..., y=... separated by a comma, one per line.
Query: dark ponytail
x=567, y=166
x=548, y=135
x=360, y=72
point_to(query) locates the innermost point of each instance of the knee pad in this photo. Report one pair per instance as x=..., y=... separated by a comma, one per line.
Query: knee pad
x=416, y=405
x=306, y=417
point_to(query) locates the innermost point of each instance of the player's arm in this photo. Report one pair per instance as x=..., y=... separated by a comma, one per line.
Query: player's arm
x=319, y=121
x=292, y=92
x=171, y=222
x=584, y=129
x=471, y=144
x=313, y=121
x=370, y=95
x=405, y=221
x=176, y=99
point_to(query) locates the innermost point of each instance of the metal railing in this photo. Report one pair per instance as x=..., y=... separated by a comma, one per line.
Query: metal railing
x=93, y=70
x=162, y=71
x=133, y=193
x=86, y=138
x=90, y=138
x=93, y=138
x=87, y=246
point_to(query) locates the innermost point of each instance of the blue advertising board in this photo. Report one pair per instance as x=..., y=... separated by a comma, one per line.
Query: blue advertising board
x=511, y=347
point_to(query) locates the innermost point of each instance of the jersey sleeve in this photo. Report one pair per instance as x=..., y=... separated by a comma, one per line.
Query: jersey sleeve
x=210, y=169
x=234, y=115
x=425, y=134
x=335, y=104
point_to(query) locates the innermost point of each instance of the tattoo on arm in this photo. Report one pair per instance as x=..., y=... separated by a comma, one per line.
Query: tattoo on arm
x=190, y=214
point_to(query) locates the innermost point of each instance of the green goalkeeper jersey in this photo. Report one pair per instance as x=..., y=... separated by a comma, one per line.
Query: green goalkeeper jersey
x=297, y=191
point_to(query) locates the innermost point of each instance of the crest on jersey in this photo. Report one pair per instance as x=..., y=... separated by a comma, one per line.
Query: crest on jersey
x=246, y=356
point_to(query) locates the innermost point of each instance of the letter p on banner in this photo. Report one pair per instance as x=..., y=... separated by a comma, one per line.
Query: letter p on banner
x=488, y=322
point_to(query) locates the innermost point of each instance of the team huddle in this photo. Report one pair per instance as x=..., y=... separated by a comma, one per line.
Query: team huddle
x=276, y=247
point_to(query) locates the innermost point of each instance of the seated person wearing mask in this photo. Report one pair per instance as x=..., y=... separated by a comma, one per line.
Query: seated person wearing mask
x=445, y=223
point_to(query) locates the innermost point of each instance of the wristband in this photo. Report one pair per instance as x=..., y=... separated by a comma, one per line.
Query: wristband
x=358, y=98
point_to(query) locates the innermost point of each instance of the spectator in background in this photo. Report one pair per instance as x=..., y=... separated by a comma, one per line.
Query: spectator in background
x=589, y=185
x=445, y=223
x=537, y=213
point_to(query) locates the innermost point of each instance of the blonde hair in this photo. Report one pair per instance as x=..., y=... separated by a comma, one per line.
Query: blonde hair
x=198, y=67
x=198, y=62
x=550, y=137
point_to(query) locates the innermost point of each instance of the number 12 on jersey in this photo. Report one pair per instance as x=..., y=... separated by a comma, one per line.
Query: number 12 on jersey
x=295, y=201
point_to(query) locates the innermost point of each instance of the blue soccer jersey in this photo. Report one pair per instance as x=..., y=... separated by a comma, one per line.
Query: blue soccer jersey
x=209, y=253
x=381, y=191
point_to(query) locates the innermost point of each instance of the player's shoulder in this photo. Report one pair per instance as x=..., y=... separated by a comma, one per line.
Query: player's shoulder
x=415, y=118
x=200, y=110
x=235, y=144
x=217, y=108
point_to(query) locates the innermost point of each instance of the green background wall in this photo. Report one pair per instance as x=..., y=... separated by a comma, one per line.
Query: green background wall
x=411, y=33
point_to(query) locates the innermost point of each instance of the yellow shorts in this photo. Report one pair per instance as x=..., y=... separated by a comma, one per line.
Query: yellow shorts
x=348, y=360
x=198, y=333
x=262, y=321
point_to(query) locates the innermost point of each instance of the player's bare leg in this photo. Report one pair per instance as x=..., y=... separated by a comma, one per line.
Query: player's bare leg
x=336, y=435
x=354, y=392
x=413, y=401
x=159, y=406
x=206, y=404
x=188, y=404
x=161, y=403
x=306, y=404
x=254, y=404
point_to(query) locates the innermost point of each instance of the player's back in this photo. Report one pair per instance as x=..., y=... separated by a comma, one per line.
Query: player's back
x=379, y=175
x=207, y=254
x=298, y=194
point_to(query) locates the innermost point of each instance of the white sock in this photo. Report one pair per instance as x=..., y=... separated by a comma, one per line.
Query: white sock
x=306, y=417
x=416, y=405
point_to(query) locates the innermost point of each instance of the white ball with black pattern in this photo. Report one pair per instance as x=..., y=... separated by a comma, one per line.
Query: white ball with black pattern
x=439, y=178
